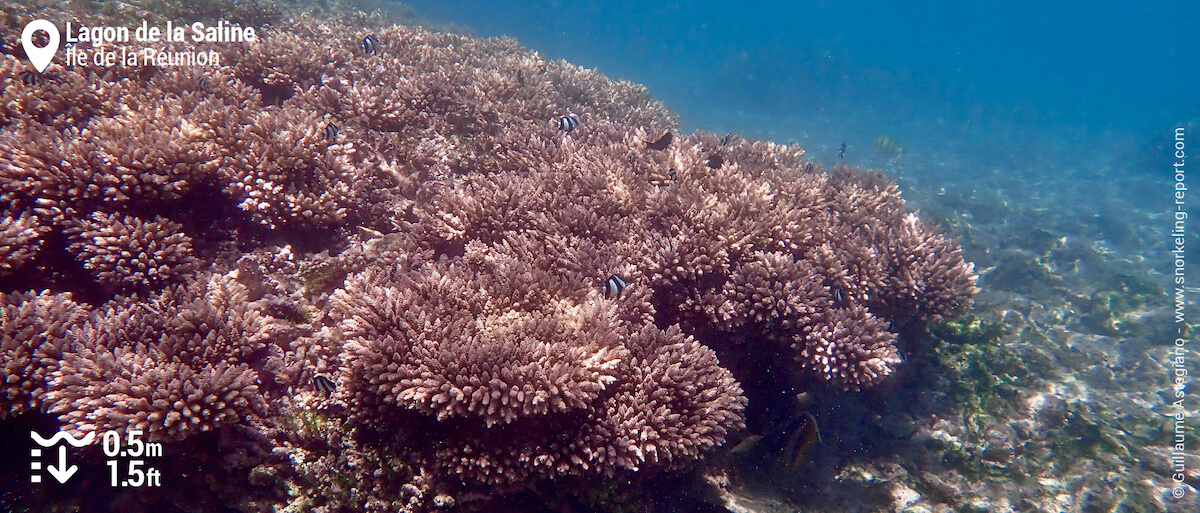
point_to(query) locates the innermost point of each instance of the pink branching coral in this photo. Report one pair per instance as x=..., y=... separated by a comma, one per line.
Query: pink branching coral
x=20, y=238
x=127, y=252
x=483, y=345
x=186, y=361
x=820, y=262
x=130, y=389
x=399, y=255
x=282, y=169
x=33, y=329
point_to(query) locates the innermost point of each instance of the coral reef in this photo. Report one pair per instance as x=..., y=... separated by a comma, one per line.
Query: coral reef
x=185, y=361
x=33, y=327
x=129, y=252
x=410, y=225
x=522, y=367
x=19, y=241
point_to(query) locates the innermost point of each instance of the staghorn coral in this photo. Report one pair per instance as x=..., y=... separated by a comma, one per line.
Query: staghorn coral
x=46, y=172
x=57, y=98
x=412, y=225
x=821, y=263
x=284, y=63
x=500, y=366
x=849, y=347
x=129, y=253
x=159, y=154
x=527, y=383
x=20, y=239
x=186, y=361
x=282, y=170
x=32, y=331
x=127, y=389
x=152, y=155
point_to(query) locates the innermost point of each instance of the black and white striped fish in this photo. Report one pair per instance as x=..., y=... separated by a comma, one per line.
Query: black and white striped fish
x=324, y=384
x=614, y=286
x=369, y=45
x=30, y=78
x=331, y=132
x=568, y=123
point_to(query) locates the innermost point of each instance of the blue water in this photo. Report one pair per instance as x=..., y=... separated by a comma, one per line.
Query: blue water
x=1060, y=107
x=1103, y=64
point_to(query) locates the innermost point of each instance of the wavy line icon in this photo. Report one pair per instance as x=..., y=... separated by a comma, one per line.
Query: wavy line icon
x=60, y=436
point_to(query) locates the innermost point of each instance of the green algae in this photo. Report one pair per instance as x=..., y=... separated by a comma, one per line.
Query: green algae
x=1111, y=310
x=984, y=373
x=985, y=379
x=1087, y=431
x=968, y=329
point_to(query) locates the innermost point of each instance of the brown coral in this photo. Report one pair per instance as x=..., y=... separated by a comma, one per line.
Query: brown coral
x=58, y=97
x=130, y=253
x=498, y=366
x=826, y=261
x=528, y=383
x=32, y=332
x=188, y=360
x=20, y=239
x=412, y=225
x=128, y=389
x=282, y=169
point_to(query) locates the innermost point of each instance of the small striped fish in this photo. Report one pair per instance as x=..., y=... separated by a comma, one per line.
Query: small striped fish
x=30, y=78
x=886, y=147
x=568, y=123
x=369, y=45
x=324, y=384
x=803, y=435
x=614, y=286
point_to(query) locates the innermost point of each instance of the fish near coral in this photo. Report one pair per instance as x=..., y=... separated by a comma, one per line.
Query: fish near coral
x=369, y=45
x=803, y=434
x=614, y=286
x=746, y=445
x=886, y=147
x=790, y=441
x=324, y=384
x=662, y=142
x=29, y=78
x=568, y=123
x=839, y=297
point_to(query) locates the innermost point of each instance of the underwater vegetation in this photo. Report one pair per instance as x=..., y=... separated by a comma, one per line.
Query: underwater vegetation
x=392, y=269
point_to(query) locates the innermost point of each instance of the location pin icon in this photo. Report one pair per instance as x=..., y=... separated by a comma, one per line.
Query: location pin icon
x=40, y=57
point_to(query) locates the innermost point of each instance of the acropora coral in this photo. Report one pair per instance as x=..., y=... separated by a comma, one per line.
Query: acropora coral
x=186, y=250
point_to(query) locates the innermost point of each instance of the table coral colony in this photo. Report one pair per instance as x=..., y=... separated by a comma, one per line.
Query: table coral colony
x=400, y=257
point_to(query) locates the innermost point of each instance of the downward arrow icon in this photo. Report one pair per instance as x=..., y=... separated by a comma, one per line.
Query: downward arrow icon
x=62, y=472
